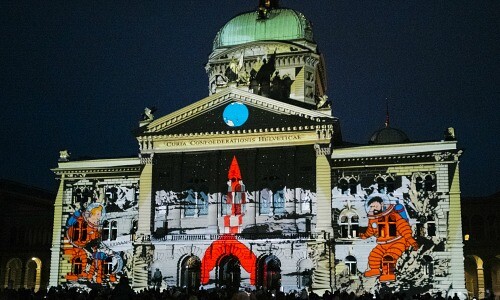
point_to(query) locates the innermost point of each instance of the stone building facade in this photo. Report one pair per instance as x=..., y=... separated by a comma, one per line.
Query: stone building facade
x=253, y=186
x=26, y=224
x=481, y=232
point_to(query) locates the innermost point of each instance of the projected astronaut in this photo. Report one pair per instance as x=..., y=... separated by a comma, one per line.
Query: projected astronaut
x=84, y=246
x=389, y=224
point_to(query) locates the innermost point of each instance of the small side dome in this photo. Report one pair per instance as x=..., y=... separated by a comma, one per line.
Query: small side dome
x=388, y=135
x=279, y=24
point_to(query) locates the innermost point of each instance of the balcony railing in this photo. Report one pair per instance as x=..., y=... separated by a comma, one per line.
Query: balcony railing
x=241, y=236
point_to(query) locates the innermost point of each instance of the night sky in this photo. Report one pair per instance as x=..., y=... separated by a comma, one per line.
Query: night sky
x=77, y=75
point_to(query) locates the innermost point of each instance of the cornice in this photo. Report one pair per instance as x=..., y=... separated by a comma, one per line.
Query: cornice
x=368, y=151
x=234, y=140
x=79, y=168
x=218, y=99
x=85, y=172
x=428, y=158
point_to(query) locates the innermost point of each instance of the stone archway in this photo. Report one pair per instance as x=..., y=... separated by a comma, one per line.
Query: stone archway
x=13, y=273
x=269, y=272
x=495, y=275
x=190, y=272
x=227, y=245
x=33, y=273
x=474, y=276
x=229, y=271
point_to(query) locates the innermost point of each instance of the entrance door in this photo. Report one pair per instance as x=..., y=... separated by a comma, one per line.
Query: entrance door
x=229, y=272
x=191, y=269
x=269, y=271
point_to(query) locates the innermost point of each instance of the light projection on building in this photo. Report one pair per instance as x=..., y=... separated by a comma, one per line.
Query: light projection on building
x=228, y=254
x=389, y=224
x=235, y=199
x=235, y=114
x=386, y=232
x=98, y=223
x=92, y=260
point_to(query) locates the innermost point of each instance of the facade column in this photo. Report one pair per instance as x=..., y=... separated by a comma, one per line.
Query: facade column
x=455, y=242
x=323, y=190
x=57, y=236
x=322, y=276
x=480, y=283
x=143, y=248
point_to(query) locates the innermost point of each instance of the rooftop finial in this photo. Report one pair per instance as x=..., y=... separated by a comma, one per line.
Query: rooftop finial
x=269, y=4
x=265, y=6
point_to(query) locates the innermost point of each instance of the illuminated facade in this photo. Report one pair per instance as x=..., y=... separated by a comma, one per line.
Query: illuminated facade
x=242, y=188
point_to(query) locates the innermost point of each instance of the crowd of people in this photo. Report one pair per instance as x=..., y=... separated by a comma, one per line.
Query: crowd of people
x=123, y=291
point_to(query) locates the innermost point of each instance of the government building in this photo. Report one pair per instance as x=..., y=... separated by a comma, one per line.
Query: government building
x=254, y=186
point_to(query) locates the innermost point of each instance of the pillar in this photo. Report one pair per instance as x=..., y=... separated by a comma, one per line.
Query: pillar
x=143, y=248
x=57, y=235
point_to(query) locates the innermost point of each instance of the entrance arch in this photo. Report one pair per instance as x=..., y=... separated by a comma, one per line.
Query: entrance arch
x=190, y=272
x=495, y=275
x=32, y=274
x=224, y=246
x=229, y=271
x=474, y=276
x=13, y=273
x=269, y=272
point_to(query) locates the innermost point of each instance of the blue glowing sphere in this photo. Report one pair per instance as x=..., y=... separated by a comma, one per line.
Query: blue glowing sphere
x=235, y=114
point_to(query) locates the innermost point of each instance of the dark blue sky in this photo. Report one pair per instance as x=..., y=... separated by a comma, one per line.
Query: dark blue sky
x=77, y=74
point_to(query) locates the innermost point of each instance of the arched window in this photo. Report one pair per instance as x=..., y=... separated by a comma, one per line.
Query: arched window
x=77, y=266
x=133, y=229
x=343, y=185
x=428, y=266
x=431, y=226
x=105, y=231
x=190, y=203
x=353, y=186
x=351, y=264
x=391, y=185
x=419, y=184
x=108, y=266
x=279, y=202
x=76, y=231
x=381, y=187
x=265, y=198
x=349, y=224
x=114, y=230
x=109, y=230
x=429, y=183
x=305, y=201
x=202, y=203
x=392, y=226
x=305, y=273
x=388, y=265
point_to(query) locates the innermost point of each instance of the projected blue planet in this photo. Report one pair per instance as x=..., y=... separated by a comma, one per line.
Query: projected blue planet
x=235, y=114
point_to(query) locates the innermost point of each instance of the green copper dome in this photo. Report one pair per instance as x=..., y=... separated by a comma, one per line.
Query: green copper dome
x=279, y=24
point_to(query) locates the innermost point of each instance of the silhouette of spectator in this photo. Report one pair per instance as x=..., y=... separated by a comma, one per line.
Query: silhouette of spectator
x=122, y=290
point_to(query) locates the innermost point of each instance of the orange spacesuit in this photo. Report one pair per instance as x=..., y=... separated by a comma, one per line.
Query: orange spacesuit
x=83, y=238
x=394, y=236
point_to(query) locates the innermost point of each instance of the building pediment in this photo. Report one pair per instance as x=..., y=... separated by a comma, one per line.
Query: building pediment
x=235, y=117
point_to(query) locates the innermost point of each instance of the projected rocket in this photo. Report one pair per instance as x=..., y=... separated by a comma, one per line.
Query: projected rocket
x=235, y=200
